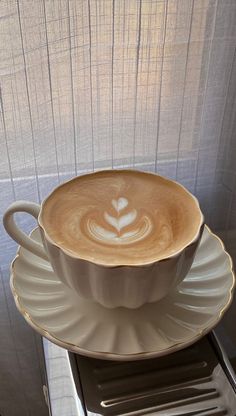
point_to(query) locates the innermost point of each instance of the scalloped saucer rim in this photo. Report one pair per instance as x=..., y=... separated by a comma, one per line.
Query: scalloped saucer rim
x=28, y=311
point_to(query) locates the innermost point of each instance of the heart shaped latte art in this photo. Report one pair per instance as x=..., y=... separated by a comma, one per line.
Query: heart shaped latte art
x=119, y=203
x=125, y=227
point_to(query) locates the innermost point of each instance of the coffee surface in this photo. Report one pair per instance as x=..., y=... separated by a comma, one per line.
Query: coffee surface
x=121, y=217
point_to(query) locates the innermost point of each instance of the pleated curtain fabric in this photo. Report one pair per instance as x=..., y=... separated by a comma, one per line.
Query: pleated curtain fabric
x=96, y=84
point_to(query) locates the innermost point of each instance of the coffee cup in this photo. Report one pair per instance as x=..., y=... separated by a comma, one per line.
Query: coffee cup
x=116, y=237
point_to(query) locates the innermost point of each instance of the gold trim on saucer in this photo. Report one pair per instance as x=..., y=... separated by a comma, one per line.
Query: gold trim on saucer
x=113, y=356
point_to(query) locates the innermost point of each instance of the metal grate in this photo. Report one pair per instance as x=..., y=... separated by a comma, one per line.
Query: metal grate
x=189, y=382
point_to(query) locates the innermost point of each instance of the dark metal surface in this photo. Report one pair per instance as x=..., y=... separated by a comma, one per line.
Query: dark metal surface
x=223, y=359
x=189, y=382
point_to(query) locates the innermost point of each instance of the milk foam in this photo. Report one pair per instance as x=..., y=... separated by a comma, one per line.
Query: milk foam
x=139, y=228
x=120, y=217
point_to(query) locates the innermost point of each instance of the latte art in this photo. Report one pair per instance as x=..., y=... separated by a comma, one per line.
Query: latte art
x=127, y=227
x=120, y=217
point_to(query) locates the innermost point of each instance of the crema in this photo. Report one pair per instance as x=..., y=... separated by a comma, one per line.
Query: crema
x=121, y=217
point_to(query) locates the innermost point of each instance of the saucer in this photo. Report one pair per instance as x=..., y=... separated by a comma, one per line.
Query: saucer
x=186, y=314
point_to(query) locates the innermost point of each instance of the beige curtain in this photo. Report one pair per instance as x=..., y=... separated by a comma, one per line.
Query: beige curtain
x=91, y=84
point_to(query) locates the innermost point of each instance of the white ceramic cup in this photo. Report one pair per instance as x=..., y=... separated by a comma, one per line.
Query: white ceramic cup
x=111, y=286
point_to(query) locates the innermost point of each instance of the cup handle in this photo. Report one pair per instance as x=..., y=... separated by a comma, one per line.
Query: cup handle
x=19, y=236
